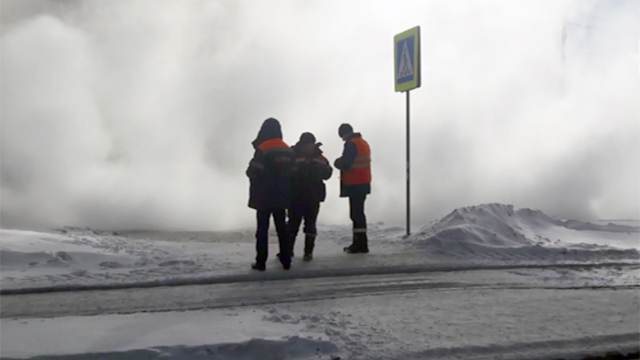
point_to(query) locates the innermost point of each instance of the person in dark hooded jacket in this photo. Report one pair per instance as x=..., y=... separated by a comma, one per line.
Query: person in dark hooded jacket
x=310, y=169
x=269, y=174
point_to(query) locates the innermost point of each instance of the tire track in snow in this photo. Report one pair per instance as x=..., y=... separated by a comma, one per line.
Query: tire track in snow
x=222, y=295
x=306, y=274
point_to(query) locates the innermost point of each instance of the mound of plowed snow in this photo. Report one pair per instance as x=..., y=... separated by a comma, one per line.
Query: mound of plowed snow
x=497, y=230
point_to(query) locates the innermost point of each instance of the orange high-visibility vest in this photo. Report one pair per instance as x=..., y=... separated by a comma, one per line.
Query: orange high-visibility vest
x=360, y=171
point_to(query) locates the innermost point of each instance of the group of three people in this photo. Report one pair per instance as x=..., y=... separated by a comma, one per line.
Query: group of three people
x=290, y=181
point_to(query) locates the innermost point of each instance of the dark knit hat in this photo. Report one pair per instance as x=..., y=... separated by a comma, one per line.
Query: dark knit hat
x=345, y=129
x=307, y=138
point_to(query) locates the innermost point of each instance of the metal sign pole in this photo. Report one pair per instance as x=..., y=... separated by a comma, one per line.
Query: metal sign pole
x=406, y=61
x=408, y=171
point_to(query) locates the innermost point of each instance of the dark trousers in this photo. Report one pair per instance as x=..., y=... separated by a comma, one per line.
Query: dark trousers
x=306, y=212
x=356, y=212
x=262, y=234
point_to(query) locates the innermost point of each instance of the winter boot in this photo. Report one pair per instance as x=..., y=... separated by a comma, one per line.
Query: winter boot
x=350, y=248
x=309, y=242
x=258, y=266
x=355, y=245
x=364, y=243
x=360, y=244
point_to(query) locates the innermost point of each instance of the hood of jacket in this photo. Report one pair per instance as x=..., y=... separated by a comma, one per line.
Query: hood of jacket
x=270, y=129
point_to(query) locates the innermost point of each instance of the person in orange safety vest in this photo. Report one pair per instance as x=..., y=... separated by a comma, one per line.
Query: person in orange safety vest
x=355, y=183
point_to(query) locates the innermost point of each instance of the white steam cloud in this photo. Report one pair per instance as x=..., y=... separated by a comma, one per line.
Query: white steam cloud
x=139, y=114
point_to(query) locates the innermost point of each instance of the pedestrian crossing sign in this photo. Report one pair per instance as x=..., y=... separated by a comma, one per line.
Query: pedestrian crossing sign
x=406, y=55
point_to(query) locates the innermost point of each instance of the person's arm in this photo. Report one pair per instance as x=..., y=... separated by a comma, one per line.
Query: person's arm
x=324, y=170
x=256, y=165
x=349, y=154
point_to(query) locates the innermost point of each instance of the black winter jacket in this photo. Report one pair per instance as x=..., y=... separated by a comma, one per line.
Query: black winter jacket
x=310, y=169
x=269, y=170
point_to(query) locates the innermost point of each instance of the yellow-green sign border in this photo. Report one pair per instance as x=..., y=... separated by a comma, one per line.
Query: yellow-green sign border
x=415, y=83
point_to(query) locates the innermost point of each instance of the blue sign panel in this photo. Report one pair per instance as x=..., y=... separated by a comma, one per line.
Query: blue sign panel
x=406, y=59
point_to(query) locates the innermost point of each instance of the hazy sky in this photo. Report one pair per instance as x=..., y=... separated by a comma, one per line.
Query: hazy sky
x=140, y=114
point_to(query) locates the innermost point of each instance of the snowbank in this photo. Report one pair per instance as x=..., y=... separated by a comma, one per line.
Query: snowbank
x=224, y=334
x=498, y=231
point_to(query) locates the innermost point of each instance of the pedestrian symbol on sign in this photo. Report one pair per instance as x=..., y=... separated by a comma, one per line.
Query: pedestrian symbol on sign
x=405, y=68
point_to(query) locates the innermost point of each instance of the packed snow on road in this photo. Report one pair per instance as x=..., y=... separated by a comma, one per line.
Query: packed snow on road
x=484, y=281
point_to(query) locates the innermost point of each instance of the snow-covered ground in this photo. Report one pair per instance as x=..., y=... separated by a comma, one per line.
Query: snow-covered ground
x=483, y=282
x=486, y=234
x=434, y=323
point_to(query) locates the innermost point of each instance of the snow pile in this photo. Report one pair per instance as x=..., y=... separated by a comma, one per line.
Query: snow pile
x=228, y=333
x=498, y=231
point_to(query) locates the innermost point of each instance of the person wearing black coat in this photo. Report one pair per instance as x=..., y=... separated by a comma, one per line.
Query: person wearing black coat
x=310, y=169
x=269, y=173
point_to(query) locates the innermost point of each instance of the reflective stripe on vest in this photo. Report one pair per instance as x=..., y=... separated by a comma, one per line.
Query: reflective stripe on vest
x=360, y=171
